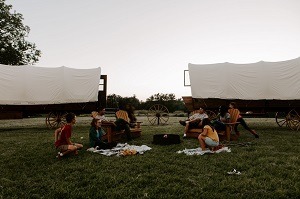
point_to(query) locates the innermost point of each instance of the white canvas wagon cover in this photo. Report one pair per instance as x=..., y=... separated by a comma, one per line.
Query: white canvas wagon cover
x=29, y=85
x=254, y=81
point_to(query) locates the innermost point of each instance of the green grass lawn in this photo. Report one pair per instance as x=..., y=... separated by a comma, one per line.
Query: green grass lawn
x=270, y=165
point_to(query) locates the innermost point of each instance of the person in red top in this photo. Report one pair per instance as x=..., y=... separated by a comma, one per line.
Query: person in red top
x=63, y=140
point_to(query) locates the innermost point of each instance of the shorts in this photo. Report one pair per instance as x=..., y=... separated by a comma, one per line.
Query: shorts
x=210, y=142
x=63, y=147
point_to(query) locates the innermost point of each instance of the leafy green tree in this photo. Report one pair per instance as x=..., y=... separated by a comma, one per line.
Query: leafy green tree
x=14, y=49
x=116, y=101
x=168, y=100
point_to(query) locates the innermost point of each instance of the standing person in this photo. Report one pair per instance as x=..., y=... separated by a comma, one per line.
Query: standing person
x=194, y=121
x=63, y=140
x=222, y=117
x=95, y=135
x=209, y=136
x=232, y=105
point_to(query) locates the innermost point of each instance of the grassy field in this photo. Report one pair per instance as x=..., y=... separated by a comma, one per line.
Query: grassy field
x=269, y=166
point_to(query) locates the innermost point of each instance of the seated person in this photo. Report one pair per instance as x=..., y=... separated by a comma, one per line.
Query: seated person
x=130, y=111
x=100, y=114
x=209, y=136
x=194, y=121
x=222, y=117
x=63, y=140
x=95, y=136
x=120, y=124
x=242, y=122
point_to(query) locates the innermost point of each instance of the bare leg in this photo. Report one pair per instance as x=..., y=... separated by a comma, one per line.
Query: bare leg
x=201, y=142
x=244, y=124
x=186, y=128
x=71, y=149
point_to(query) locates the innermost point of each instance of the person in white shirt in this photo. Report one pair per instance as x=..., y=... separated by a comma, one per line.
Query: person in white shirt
x=194, y=121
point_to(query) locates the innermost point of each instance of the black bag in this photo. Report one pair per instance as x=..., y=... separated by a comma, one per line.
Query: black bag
x=166, y=139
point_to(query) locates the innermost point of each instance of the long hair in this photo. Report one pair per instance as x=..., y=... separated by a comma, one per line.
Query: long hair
x=206, y=121
x=93, y=123
x=223, y=110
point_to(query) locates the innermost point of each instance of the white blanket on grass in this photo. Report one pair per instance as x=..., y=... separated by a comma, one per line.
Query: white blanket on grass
x=198, y=151
x=119, y=148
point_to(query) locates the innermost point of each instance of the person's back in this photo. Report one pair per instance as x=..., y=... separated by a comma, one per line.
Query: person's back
x=64, y=135
x=209, y=136
x=212, y=133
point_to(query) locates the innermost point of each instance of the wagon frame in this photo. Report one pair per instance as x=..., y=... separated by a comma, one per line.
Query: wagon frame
x=56, y=112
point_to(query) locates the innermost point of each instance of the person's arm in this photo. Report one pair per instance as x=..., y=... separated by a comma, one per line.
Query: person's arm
x=69, y=141
x=204, y=132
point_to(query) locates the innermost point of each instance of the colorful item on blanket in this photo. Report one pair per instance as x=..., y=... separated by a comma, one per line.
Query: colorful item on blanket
x=121, y=150
x=198, y=151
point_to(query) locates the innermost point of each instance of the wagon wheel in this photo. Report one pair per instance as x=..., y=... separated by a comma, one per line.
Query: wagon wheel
x=281, y=119
x=293, y=120
x=211, y=114
x=55, y=119
x=158, y=114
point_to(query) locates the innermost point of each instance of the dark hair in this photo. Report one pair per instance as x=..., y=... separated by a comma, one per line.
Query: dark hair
x=93, y=123
x=101, y=108
x=223, y=110
x=206, y=121
x=70, y=117
x=233, y=104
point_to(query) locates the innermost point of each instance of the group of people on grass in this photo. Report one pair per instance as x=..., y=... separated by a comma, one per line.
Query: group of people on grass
x=63, y=135
x=209, y=137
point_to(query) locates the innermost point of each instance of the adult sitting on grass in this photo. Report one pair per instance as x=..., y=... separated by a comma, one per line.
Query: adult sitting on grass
x=95, y=135
x=63, y=137
x=209, y=136
x=194, y=121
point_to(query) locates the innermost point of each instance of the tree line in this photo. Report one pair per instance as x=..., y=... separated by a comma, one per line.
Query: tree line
x=168, y=100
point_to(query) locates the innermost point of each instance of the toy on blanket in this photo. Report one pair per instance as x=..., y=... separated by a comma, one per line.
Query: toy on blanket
x=127, y=152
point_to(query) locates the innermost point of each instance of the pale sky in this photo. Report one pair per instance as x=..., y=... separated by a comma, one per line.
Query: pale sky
x=145, y=45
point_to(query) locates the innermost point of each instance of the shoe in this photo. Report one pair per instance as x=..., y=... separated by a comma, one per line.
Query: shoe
x=255, y=134
x=184, y=135
x=59, y=155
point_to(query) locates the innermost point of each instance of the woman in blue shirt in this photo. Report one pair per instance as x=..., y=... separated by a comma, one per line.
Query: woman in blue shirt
x=95, y=135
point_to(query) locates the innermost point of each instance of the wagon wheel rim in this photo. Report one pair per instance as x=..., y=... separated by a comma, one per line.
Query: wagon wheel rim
x=293, y=120
x=158, y=114
x=55, y=119
x=281, y=119
x=211, y=115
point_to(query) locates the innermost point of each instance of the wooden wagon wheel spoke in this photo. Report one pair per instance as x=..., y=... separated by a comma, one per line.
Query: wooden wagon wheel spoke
x=158, y=114
x=281, y=119
x=55, y=119
x=293, y=119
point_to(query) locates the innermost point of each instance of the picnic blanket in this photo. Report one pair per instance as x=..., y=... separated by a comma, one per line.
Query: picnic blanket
x=198, y=151
x=121, y=150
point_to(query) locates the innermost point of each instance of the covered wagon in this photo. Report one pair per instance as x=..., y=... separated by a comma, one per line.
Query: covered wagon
x=258, y=88
x=26, y=90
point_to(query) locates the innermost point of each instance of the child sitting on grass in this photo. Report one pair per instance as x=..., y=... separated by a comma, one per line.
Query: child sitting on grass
x=63, y=138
